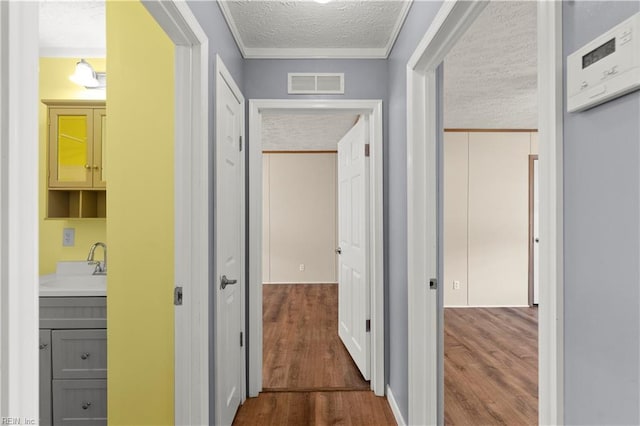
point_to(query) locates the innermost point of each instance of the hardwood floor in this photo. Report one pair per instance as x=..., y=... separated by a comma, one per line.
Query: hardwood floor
x=308, y=376
x=491, y=366
x=315, y=408
x=302, y=349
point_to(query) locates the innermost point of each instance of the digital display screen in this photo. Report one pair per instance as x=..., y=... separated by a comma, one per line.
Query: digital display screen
x=598, y=53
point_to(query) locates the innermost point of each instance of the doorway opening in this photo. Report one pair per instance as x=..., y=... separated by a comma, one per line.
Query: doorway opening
x=301, y=346
x=272, y=184
x=425, y=227
x=490, y=121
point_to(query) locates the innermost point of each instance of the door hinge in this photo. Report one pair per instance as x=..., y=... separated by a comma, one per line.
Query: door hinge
x=240, y=143
x=368, y=325
x=366, y=150
x=433, y=284
x=241, y=339
x=177, y=296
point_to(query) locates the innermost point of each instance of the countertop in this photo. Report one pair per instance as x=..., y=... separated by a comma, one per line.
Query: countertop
x=53, y=285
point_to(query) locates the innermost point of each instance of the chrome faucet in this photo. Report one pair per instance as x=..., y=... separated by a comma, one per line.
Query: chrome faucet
x=101, y=268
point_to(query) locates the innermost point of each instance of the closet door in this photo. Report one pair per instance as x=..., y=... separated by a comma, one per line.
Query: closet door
x=498, y=218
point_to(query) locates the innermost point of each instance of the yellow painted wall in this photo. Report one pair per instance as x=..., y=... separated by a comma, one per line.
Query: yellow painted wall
x=140, y=219
x=55, y=84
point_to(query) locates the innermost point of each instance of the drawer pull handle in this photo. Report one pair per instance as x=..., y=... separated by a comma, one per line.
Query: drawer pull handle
x=85, y=355
x=43, y=346
x=86, y=405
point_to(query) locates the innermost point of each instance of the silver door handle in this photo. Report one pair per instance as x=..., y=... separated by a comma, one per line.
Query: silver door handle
x=224, y=282
x=339, y=250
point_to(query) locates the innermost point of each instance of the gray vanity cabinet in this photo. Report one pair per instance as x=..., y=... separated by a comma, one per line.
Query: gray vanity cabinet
x=73, y=361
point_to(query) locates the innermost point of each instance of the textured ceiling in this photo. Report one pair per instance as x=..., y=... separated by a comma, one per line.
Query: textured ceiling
x=304, y=132
x=490, y=76
x=72, y=28
x=338, y=28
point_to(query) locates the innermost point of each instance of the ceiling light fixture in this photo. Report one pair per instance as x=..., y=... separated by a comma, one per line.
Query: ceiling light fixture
x=322, y=1
x=84, y=75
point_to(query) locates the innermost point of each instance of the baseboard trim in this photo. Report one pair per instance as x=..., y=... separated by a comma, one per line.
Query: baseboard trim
x=394, y=408
x=487, y=306
x=298, y=282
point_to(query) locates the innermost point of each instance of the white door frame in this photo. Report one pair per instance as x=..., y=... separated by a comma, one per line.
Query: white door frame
x=373, y=109
x=224, y=77
x=192, y=230
x=453, y=19
x=18, y=209
x=19, y=235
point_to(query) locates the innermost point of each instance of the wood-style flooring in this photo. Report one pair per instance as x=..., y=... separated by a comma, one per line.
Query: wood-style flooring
x=491, y=366
x=302, y=349
x=308, y=376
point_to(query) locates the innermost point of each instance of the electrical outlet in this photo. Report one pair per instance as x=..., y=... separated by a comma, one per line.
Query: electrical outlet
x=68, y=237
x=456, y=285
x=302, y=267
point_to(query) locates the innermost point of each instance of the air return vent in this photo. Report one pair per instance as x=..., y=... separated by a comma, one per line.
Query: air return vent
x=309, y=83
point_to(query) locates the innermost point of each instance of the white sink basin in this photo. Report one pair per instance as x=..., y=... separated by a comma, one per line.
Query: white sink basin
x=73, y=279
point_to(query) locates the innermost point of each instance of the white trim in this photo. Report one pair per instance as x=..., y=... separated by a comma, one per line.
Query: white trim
x=19, y=356
x=486, y=306
x=224, y=77
x=315, y=53
x=297, y=282
x=191, y=192
x=374, y=109
x=450, y=23
x=73, y=52
x=550, y=160
x=394, y=408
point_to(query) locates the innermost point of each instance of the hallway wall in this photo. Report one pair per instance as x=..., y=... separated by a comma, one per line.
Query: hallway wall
x=418, y=21
x=602, y=241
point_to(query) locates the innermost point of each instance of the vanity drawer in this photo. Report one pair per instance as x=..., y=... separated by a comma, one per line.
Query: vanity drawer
x=73, y=312
x=80, y=402
x=79, y=354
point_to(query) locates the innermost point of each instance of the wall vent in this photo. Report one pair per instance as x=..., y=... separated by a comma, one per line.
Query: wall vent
x=316, y=83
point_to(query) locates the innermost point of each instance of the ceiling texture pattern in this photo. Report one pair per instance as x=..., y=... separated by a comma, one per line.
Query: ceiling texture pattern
x=72, y=28
x=304, y=131
x=285, y=29
x=490, y=76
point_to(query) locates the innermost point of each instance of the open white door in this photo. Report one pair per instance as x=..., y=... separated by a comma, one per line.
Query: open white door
x=229, y=279
x=353, y=266
x=536, y=234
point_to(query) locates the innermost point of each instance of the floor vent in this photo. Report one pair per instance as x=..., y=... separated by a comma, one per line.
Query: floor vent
x=310, y=83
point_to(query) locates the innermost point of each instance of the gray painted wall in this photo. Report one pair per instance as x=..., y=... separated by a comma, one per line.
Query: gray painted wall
x=602, y=242
x=418, y=21
x=221, y=42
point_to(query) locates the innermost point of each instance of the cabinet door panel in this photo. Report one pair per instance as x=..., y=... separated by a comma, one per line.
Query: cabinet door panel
x=45, y=377
x=99, y=165
x=80, y=402
x=70, y=148
x=79, y=354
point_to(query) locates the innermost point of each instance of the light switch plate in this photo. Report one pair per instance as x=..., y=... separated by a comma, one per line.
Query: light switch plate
x=68, y=237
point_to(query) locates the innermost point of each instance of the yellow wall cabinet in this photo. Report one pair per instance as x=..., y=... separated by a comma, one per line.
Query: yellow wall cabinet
x=76, y=174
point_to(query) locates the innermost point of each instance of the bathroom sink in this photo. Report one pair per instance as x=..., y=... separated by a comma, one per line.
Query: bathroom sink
x=73, y=279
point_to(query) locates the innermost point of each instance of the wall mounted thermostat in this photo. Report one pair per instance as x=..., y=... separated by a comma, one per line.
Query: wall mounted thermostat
x=606, y=67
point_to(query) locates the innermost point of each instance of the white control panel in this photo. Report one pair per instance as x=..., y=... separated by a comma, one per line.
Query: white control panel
x=605, y=68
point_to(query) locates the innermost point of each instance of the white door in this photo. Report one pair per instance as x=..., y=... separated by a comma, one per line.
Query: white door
x=353, y=277
x=536, y=233
x=229, y=213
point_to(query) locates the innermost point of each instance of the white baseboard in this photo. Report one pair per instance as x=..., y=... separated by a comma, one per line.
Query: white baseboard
x=298, y=282
x=487, y=306
x=394, y=408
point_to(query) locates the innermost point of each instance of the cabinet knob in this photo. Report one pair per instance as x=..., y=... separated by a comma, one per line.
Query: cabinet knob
x=96, y=166
x=86, y=166
x=85, y=355
x=86, y=405
x=43, y=346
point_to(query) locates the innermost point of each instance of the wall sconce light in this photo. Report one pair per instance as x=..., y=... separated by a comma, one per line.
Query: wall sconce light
x=84, y=75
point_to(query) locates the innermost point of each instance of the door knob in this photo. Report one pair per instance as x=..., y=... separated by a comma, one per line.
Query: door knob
x=339, y=250
x=224, y=282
